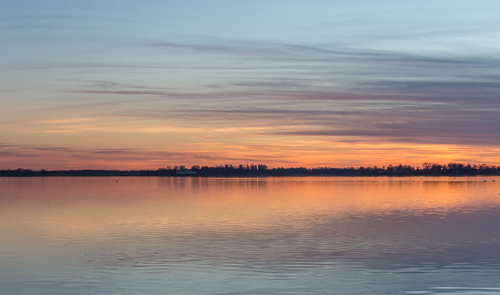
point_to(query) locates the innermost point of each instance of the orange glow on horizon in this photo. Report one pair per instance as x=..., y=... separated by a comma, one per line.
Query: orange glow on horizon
x=289, y=153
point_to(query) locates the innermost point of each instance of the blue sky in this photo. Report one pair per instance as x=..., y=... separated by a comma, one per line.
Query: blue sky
x=282, y=82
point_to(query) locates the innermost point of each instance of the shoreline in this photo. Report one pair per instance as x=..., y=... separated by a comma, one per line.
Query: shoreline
x=261, y=170
x=241, y=176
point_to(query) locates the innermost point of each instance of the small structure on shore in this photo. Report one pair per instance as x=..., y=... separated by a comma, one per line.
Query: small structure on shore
x=186, y=172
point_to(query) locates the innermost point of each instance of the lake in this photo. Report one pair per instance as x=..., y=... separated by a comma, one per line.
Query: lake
x=276, y=235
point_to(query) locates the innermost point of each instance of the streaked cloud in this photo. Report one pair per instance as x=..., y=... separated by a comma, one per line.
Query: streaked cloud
x=69, y=120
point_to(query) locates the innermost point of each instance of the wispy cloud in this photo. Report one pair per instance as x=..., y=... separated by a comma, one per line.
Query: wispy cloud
x=68, y=120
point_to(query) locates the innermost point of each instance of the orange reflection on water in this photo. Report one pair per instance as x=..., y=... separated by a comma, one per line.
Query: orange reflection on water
x=86, y=207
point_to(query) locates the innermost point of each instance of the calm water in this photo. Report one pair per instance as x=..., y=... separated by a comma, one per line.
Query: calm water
x=250, y=235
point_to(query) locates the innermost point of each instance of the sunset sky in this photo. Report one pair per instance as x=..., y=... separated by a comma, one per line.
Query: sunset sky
x=146, y=84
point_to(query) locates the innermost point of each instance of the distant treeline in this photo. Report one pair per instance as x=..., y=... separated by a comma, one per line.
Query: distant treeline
x=427, y=169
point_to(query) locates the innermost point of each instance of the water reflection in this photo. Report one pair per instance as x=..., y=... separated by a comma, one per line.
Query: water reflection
x=249, y=236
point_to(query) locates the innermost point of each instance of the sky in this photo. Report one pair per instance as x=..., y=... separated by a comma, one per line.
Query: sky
x=150, y=84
